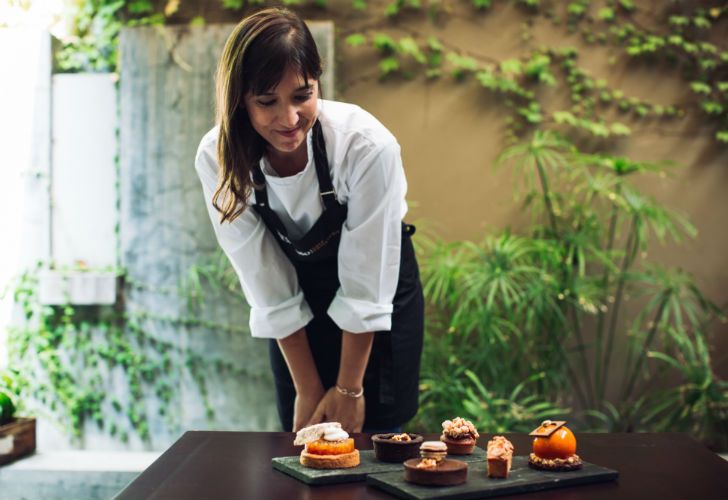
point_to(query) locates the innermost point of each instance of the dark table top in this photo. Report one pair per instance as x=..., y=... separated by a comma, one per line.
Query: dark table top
x=237, y=465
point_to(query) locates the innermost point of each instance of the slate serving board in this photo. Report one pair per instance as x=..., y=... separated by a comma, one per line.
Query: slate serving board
x=522, y=479
x=368, y=465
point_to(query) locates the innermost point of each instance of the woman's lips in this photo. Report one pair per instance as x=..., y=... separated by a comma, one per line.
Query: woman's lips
x=289, y=133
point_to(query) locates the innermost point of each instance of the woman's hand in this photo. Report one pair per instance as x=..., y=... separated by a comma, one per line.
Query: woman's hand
x=337, y=407
x=304, y=407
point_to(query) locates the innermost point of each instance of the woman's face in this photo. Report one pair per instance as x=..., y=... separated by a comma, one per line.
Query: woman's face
x=284, y=114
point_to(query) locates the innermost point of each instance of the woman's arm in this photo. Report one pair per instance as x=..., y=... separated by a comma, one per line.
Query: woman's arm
x=309, y=390
x=355, y=350
x=342, y=408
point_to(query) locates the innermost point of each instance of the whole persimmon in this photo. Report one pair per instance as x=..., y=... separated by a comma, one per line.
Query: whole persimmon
x=560, y=444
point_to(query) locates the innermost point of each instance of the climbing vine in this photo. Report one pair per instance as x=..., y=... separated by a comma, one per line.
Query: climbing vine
x=79, y=355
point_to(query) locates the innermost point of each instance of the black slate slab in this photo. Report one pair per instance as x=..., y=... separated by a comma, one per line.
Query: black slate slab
x=369, y=465
x=522, y=479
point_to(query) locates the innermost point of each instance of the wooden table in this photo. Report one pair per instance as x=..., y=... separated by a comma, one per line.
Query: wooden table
x=237, y=465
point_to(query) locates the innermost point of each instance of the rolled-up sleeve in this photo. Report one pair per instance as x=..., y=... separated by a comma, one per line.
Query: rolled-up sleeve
x=267, y=277
x=369, y=252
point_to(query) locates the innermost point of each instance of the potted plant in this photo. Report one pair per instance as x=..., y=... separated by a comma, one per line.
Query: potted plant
x=17, y=434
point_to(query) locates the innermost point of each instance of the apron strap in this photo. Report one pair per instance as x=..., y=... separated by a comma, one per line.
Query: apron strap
x=326, y=187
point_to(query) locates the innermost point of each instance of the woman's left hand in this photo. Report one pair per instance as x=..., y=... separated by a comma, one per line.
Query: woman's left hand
x=336, y=407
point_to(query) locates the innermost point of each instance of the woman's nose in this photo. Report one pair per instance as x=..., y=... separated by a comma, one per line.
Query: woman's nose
x=291, y=116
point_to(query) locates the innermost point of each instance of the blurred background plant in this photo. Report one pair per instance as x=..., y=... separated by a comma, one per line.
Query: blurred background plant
x=10, y=402
x=570, y=305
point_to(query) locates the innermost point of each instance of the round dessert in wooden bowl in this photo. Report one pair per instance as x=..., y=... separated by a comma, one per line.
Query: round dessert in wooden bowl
x=396, y=448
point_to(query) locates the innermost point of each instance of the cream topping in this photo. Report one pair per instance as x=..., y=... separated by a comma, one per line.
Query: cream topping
x=335, y=434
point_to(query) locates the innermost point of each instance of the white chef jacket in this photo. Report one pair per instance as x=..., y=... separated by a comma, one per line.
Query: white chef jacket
x=366, y=171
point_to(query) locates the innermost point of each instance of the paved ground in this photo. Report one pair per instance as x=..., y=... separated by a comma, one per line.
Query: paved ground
x=78, y=475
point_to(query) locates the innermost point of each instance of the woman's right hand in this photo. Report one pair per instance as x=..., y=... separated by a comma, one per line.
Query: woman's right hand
x=304, y=407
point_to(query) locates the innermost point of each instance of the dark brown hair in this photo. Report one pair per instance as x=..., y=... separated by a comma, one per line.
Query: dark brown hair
x=256, y=55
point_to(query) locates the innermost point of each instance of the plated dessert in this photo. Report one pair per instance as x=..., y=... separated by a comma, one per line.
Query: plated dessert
x=554, y=447
x=433, y=469
x=326, y=446
x=499, y=457
x=396, y=448
x=459, y=435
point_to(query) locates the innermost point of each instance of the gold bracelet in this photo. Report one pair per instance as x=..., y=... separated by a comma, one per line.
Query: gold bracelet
x=349, y=393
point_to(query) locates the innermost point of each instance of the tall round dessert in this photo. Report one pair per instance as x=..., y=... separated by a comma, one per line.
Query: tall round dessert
x=554, y=447
x=459, y=435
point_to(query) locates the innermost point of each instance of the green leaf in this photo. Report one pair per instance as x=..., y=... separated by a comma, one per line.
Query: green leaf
x=679, y=21
x=388, y=65
x=434, y=44
x=232, y=4
x=384, y=43
x=701, y=22
x=628, y=5
x=712, y=107
x=564, y=117
x=140, y=7
x=576, y=9
x=620, y=129
x=511, y=67
x=700, y=88
x=197, y=21
x=408, y=45
x=606, y=14
x=482, y=4
x=359, y=4
x=356, y=39
x=393, y=9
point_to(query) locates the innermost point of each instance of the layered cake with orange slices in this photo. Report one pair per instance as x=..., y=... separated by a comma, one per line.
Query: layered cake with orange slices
x=326, y=446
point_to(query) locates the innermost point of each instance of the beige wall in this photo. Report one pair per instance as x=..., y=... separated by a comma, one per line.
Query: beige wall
x=451, y=132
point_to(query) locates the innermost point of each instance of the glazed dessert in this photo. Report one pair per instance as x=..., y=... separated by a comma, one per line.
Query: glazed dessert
x=499, y=457
x=459, y=435
x=396, y=448
x=326, y=446
x=554, y=447
x=433, y=469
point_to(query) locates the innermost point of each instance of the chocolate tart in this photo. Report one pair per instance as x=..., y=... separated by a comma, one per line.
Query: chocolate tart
x=445, y=473
x=463, y=446
x=554, y=464
x=387, y=450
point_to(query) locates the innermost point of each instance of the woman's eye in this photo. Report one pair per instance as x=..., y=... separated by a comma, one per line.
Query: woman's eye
x=266, y=103
x=303, y=98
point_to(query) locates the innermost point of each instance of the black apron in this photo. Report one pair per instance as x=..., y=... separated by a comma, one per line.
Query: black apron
x=391, y=380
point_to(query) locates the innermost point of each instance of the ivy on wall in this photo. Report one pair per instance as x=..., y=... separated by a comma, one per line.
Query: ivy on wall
x=681, y=36
x=78, y=355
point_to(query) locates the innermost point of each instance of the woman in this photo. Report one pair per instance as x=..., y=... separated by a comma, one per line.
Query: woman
x=306, y=197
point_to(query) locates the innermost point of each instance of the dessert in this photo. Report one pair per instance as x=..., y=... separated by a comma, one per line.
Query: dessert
x=326, y=446
x=554, y=447
x=396, y=448
x=459, y=435
x=433, y=469
x=499, y=457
